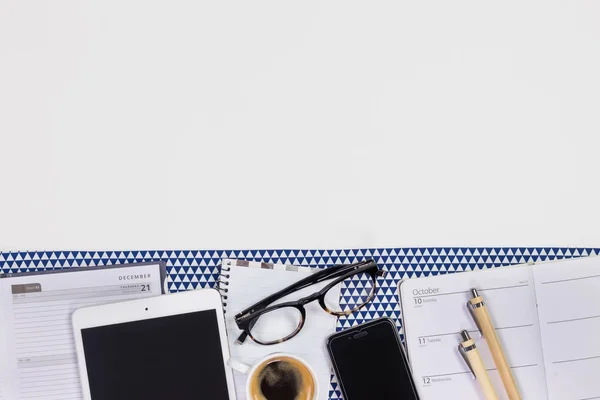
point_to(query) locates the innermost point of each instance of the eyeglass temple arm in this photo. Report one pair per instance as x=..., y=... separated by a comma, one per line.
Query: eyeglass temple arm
x=242, y=338
x=329, y=273
x=343, y=271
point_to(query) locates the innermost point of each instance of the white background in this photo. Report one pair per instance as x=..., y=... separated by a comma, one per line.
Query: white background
x=129, y=124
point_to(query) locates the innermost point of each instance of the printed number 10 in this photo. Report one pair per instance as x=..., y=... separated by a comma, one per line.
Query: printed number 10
x=418, y=300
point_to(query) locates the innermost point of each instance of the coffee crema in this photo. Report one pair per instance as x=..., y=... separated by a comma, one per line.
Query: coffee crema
x=282, y=378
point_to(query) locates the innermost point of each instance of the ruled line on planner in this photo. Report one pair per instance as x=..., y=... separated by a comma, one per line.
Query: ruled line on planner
x=487, y=369
x=54, y=346
x=575, y=360
x=50, y=309
x=468, y=291
x=42, y=314
x=71, y=388
x=42, y=332
x=73, y=302
x=514, y=326
x=451, y=373
x=46, y=304
x=590, y=398
x=571, y=279
x=44, y=373
x=572, y=319
x=50, y=383
x=89, y=289
x=49, y=378
x=46, y=378
x=504, y=287
x=446, y=334
x=46, y=340
x=65, y=376
x=44, y=296
x=475, y=330
x=35, y=326
x=74, y=394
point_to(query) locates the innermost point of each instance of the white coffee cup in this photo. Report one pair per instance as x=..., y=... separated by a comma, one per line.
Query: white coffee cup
x=251, y=370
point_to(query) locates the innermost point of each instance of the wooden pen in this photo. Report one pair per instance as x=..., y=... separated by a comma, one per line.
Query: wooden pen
x=468, y=351
x=484, y=323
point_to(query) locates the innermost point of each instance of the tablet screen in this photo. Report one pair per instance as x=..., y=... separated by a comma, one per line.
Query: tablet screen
x=173, y=357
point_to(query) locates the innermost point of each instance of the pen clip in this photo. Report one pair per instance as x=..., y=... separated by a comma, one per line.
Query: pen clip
x=462, y=352
x=470, y=309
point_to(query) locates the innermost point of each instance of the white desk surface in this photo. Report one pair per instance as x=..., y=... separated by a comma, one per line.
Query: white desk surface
x=160, y=124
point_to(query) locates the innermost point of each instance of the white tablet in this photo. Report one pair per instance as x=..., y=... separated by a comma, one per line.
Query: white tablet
x=166, y=347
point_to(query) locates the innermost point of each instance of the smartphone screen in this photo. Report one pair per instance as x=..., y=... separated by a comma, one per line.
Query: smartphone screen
x=370, y=363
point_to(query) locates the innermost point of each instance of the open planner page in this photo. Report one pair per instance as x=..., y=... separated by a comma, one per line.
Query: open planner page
x=568, y=295
x=37, y=353
x=435, y=312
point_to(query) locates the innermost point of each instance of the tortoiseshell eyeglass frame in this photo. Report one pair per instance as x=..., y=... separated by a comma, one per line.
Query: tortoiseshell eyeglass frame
x=246, y=319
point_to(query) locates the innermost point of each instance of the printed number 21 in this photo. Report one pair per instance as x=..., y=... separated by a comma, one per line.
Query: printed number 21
x=146, y=288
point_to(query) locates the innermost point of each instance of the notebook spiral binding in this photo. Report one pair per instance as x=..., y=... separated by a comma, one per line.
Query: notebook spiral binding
x=222, y=283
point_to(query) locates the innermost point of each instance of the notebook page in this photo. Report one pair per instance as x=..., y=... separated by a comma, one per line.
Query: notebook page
x=434, y=312
x=247, y=285
x=568, y=295
x=41, y=361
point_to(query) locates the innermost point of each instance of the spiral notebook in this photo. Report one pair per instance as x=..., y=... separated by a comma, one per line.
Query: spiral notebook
x=244, y=283
x=547, y=317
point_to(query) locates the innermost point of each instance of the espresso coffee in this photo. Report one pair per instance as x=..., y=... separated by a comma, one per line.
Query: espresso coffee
x=282, y=378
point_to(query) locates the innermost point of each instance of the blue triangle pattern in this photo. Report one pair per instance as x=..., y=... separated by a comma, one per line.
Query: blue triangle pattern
x=193, y=269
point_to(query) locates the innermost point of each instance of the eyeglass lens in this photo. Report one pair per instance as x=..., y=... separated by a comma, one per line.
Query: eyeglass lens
x=277, y=324
x=357, y=289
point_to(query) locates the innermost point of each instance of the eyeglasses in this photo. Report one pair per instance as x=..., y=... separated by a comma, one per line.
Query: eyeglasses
x=268, y=325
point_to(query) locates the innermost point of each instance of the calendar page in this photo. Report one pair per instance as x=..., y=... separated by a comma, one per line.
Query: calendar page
x=37, y=350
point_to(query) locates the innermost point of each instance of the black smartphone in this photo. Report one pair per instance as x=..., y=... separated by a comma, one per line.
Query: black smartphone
x=370, y=363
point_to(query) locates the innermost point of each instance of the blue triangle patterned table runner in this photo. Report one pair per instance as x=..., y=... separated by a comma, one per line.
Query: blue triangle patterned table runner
x=193, y=269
